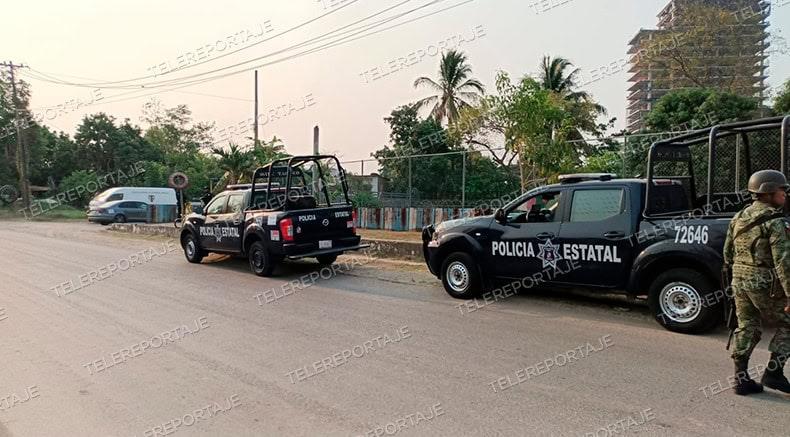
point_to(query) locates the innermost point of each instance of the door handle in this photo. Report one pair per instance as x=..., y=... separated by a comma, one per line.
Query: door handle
x=544, y=235
x=613, y=235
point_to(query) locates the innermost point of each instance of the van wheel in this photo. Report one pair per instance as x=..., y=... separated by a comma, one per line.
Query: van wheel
x=685, y=301
x=261, y=262
x=327, y=259
x=461, y=277
x=192, y=250
x=120, y=218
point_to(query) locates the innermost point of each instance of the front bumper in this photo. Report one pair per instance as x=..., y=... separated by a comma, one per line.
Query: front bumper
x=99, y=218
x=429, y=249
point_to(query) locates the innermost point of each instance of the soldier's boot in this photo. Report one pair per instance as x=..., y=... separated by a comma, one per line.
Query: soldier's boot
x=774, y=376
x=745, y=385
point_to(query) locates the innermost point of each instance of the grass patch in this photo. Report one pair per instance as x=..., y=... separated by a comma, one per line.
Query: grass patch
x=61, y=212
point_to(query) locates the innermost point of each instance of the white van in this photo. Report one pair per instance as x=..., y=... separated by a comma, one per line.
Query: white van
x=149, y=195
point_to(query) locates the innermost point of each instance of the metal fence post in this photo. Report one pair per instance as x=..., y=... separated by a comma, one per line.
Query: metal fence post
x=622, y=155
x=463, y=180
x=409, y=181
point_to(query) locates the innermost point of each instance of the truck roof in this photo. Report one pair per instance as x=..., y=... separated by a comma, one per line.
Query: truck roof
x=626, y=181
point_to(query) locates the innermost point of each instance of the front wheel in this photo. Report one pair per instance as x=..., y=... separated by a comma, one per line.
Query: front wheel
x=261, y=263
x=685, y=301
x=461, y=277
x=192, y=250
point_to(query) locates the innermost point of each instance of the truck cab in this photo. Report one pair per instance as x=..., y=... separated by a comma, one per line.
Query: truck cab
x=293, y=208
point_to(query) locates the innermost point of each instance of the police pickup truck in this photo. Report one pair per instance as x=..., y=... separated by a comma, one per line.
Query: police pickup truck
x=294, y=208
x=659, y=237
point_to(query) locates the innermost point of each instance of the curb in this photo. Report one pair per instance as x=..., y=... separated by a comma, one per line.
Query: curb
x=387, y=249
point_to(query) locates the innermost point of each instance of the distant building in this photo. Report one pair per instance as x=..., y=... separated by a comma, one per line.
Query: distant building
x=374, y=180
x=737, y=56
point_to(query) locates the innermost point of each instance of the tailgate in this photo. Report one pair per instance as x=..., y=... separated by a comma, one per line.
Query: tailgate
x=322, y=224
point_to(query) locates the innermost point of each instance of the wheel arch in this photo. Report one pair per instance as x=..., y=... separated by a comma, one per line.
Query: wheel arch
x=452, y=243
x=648, y=268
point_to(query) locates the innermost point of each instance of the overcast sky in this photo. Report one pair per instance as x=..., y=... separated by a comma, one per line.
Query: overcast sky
x=334, y=88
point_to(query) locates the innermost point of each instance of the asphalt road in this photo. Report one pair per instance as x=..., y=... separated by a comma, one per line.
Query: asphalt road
x=170, y=347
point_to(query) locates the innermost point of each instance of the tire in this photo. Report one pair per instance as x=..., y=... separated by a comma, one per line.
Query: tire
x=120, y=218
x=192, y=250
x=261, y=262
x=685, y=301
x=461, y=276
x=327, y=260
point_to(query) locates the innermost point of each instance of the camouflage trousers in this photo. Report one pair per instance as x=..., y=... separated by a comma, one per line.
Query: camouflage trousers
x=752, y=308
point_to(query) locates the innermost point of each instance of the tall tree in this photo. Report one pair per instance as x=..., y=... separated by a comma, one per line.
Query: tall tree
x=782, y=101
x=455, y=88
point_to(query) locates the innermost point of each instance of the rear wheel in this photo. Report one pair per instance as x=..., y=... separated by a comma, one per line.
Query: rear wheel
x=192, y=250
x=461, y=277
x=261, y=263
x=327, y=259
x=684, y=300
x=120, y=218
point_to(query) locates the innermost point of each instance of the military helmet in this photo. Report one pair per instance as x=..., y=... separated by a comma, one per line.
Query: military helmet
x=767, y=181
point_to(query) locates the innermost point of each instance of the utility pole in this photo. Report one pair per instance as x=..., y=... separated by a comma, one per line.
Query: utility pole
x=315, y=153
x=21, y=149
x=255, y=126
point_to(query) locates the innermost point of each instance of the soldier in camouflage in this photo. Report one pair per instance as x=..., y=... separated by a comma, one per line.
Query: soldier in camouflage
x=758, y=250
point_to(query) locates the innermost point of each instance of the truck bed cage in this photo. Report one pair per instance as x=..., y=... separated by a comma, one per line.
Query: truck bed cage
x=290, y=168
x=734, y=151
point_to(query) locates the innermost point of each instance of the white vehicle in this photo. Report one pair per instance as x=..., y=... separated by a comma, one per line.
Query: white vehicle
x=150, y=195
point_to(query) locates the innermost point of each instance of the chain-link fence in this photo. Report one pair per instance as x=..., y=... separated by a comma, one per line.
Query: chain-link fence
x=469, y=178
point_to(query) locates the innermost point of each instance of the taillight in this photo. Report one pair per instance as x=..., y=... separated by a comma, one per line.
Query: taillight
x=101, y=211
x=287, y=229
x=353, y=223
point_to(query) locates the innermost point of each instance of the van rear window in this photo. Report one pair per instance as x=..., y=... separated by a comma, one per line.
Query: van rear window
x=116, y=196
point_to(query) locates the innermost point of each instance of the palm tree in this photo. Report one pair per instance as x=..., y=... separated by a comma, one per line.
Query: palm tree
x=455, y=89
x=553, y=77
x=235, y=161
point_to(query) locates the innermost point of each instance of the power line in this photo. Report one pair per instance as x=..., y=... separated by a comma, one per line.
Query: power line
x=289, y=30
x=340, y=41
x=328, y=35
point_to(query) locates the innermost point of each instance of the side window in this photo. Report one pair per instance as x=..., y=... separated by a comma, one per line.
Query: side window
x=142, y=205
x=596, y=205
x=235, y=203
x=542, y=208
x=116, y=196
x=217, y=206
x=127, y=205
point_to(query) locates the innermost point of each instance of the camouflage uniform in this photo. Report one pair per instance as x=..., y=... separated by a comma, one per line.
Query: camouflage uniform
x=760, y=260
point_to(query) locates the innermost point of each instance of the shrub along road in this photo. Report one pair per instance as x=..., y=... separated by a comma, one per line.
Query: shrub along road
x=154, y=344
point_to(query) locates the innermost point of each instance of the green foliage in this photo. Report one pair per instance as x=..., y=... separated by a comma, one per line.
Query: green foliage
x=782, y=101
x=361, y=194
x=698, y=107
x=79, y=179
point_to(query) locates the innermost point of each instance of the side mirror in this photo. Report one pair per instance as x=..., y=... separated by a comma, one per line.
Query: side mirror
x=500, y=216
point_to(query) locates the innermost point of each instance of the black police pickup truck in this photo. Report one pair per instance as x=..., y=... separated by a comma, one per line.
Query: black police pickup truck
x=660, y=237
x=294, y=208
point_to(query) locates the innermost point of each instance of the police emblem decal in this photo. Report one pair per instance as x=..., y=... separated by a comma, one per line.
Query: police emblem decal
x=549, y=253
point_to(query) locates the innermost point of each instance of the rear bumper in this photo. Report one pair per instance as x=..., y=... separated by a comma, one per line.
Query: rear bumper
x=333, y=250
x=307, y=250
